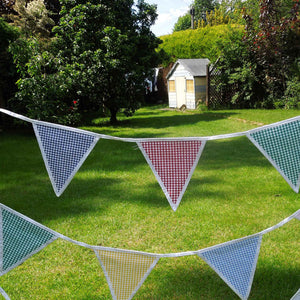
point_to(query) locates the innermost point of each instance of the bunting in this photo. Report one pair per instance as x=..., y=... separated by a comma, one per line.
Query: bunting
x=172, y=160
x=280, y=144
x=64, y=151
x=125, y=271
x=20, y=238
x=173, y=164
x=235, y=262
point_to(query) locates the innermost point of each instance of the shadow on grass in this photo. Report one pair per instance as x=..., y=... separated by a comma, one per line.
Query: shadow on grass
x=160, y=120
x=109, y=175
x=196, y=280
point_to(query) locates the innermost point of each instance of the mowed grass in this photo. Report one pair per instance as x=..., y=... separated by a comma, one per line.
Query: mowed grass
x=114, y=200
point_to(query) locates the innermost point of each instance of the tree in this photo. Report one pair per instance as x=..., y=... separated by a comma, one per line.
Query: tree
x=274, y=46
x=32, y=18
x=8, y=72
x=100, y=57
x=183, y=23
x=203, y=6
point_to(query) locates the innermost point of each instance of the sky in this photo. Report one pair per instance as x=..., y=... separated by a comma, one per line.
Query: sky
x=168, y=13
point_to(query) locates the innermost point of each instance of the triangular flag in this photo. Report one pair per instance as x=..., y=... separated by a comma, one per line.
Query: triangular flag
x=64, y=151
x=297, y=215
x=280, y=144
x=3, y=293
x=296, y=296
x=235, y=262
x=173, y=164
x=125, y=271
x=20, y=238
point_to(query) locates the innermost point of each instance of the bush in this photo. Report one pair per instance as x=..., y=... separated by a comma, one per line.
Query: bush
x=199, y=43
x=291, y=98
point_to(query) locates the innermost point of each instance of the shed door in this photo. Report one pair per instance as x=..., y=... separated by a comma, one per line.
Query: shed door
x=180, y=91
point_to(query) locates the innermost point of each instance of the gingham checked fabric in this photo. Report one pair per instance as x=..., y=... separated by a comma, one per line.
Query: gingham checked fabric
x=3, y=293
x=173, y=163
x=281, y=146
x=235, y=263
x=125, y=271
x=296, y=296
x=20, y=239
x=64, y=151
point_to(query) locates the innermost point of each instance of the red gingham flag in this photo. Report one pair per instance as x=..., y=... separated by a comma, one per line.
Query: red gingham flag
x=173, y=163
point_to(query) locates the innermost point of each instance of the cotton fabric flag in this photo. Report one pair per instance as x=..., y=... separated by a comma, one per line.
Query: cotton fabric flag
x=20, y=238
x=280, y=144
x=3, y=293
x=173, y=164
x=64, y=150
x=125, y=271
x=297, y=215
x=235, y=262
x=296, y=296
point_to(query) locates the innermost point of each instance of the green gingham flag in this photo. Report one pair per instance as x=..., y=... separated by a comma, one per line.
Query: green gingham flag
x=20, y=238
x=280, y=144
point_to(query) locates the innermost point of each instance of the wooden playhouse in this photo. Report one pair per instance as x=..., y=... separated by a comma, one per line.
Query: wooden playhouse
x=187, y=82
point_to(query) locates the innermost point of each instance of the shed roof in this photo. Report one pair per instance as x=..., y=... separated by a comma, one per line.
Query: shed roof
x=196, y=67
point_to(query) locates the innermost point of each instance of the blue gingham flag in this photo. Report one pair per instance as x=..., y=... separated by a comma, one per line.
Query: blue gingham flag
x=280, y=144
x=235, y=262
x=20, y=238
x=64, y=150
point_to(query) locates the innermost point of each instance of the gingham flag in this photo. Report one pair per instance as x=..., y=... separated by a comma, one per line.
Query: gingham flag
x=173, y=164
x=297, y=215
x=20, y=238
x=64, y=151
x=296, y=296
x=3, y=293
x=125, y=271
x=280, y=144
x=235, y=262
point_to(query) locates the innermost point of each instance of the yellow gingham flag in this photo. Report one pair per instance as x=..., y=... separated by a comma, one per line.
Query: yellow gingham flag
x=125, y=271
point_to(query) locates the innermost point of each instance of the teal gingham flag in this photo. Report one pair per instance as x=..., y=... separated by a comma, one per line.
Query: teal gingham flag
x=64, y=150
x=235, y=262
x=20, y=238
x=280, y=144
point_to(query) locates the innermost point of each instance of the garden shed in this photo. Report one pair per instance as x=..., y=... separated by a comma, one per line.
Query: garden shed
x=187, y=82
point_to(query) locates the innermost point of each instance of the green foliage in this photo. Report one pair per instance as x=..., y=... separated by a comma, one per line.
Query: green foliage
x=101, y=54
x=217, y=16
x=32, y=18
x=183, y=23
x=273, y=47
x=203, y=6
x=8, y=72
x=291, y=97
x=203, y=42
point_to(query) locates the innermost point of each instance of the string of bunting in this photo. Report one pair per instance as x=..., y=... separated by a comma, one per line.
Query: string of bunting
x=126, y=270
x=172, y=160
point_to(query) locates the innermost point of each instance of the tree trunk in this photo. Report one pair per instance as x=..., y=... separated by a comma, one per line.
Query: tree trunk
x=113, y=115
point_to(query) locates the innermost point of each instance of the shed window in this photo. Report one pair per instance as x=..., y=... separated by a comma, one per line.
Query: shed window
x=172, y=86
x=190, y=86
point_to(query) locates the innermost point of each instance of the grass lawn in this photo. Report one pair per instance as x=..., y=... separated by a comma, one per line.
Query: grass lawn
x=114, y=200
